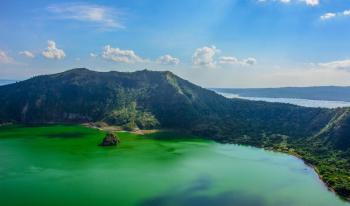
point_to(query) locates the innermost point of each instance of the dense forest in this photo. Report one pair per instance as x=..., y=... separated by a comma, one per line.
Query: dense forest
x=149, y=99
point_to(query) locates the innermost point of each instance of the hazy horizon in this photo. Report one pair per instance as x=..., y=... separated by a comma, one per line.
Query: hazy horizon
x=217, y=87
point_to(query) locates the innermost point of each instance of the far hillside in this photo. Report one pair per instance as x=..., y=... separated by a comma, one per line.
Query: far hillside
x=330, y=93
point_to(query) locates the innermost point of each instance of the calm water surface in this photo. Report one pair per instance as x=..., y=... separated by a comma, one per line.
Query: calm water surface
x=295, y=101
x=61, y=165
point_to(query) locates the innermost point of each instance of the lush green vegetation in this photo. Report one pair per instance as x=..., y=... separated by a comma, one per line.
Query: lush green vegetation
x=130, y=118
x=147, y=99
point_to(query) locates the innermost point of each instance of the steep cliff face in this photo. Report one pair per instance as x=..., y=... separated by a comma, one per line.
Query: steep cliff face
x=336, y=133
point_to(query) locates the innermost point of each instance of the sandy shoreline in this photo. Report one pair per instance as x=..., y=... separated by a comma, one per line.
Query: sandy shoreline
x=109, y=128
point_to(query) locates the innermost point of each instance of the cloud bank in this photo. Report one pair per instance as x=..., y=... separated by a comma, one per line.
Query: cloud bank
x=341, y=64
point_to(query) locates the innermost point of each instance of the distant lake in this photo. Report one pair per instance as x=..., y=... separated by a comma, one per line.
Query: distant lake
x=295, y=101
x=62, y=165
x=5, y=81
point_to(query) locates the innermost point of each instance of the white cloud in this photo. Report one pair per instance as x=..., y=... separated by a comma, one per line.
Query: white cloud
x=27, y=54
x=307, y=2
x=205, y=56
x=93, y=55
x=328, y=15
x=284, y=1
x=312, y=2
x=118, y=55
x=52, y=52
x=168, y=60
x=250, y=61
x=346, y=13
x=4, y=58
x=99, y=15
x=230, y=60
x=341, y=64
x=332, y=15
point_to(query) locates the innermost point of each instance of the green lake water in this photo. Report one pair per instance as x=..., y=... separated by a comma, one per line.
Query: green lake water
x=62, y=165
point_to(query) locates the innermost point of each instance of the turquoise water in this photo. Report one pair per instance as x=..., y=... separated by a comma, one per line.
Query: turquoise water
x=62, y=165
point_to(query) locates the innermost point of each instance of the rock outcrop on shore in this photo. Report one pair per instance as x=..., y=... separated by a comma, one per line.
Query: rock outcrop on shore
x=110, y=140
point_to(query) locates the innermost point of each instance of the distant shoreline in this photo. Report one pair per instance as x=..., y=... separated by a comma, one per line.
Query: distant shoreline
x=330, y=104
x=7, y=81
x=325, y=93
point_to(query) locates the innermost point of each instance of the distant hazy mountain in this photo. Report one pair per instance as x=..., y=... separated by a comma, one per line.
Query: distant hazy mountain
x=149, y=99
x=6, y=81
x=332, y=93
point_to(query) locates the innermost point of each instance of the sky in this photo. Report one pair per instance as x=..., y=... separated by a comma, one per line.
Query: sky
x=213, y=43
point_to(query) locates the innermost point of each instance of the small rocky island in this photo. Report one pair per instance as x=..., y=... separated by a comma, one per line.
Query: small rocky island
x=110, y=139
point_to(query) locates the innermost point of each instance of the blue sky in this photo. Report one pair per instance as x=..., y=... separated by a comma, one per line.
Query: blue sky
x=226, y=43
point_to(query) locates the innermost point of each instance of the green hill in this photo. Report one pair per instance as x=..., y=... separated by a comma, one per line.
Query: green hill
x=149, y=99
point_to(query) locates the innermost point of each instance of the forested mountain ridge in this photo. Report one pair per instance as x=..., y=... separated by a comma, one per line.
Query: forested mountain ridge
x=149, y=99
x=81, y=95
